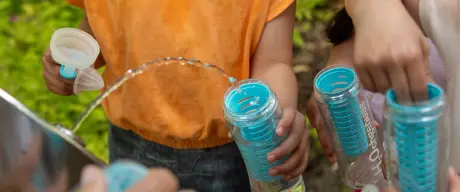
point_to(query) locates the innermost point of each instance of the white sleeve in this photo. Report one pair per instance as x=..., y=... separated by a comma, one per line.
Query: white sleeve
x=441, y=22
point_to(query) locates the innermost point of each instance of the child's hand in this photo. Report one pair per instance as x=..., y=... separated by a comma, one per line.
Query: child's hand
x=314, y=115
x=296, y=145
x=325, y=138
x=388, y=57
x=55, y=83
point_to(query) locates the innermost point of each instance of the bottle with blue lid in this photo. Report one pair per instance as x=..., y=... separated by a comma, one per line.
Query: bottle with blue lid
x=252, y=112
x=414, y=134
x=349, y=122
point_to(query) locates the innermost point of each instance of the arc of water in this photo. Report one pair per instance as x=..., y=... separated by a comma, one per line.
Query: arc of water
x=137, y=71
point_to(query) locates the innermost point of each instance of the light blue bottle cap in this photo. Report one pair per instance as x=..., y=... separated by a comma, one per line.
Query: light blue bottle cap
x=122, y=175
x=67, y=75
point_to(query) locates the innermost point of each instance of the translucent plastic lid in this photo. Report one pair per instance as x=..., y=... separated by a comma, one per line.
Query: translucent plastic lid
x=74, y=48
x=87, y=80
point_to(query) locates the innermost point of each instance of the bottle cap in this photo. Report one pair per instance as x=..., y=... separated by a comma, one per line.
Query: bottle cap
x=74, y=48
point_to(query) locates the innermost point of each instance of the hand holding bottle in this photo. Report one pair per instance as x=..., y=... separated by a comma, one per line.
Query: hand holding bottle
x=386, y=56
x=296, y=145
x=314, y=115
x=54, y=81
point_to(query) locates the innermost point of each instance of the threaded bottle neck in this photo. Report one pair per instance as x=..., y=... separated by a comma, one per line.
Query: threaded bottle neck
x=336, y=83
x=428, y=110
x=248, y=101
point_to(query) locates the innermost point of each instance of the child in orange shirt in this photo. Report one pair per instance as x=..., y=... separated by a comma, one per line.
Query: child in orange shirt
x=172, y=117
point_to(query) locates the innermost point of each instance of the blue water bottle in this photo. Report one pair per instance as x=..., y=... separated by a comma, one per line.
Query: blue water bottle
x=252, y=112
x=349, y=122
x=417, y=143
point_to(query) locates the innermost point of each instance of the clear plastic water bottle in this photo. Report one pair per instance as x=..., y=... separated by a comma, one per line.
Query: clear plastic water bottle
x=414, y=134
x=349, y=122
x=252, y=112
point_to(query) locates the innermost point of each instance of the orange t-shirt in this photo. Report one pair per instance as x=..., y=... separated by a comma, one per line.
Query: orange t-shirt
x=174, y=105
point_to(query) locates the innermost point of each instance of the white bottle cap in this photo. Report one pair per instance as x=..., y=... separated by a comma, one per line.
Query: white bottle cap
x=74, y=48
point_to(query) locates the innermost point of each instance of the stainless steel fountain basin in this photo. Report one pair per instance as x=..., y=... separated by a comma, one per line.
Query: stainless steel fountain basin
x=35, y=155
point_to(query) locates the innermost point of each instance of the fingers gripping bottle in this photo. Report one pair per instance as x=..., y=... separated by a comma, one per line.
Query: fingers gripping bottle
x=252, y=113
x=414, y=135
x=349, y=121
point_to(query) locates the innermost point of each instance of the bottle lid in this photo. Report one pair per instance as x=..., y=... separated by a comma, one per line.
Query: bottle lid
x=74, y=48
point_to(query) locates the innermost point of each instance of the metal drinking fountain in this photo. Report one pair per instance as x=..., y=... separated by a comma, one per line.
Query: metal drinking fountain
x=36, y=154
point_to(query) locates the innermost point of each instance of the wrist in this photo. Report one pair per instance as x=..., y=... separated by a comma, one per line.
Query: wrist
x=362, y=9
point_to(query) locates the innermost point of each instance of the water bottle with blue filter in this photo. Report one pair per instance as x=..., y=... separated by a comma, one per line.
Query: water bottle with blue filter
x=413, y=136
x=252, y=112
x=349, y=121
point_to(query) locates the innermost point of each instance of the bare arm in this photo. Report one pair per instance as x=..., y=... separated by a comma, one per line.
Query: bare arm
x=272, y=62
x=412, y=7
x=84, y=25
x=362, y=9
x=359, y=9
x=341, y=54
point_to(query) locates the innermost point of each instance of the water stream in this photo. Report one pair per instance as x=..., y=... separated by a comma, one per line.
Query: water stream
x=139, y=70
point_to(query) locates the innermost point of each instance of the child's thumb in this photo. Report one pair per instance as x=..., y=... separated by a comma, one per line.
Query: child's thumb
x=93, y=180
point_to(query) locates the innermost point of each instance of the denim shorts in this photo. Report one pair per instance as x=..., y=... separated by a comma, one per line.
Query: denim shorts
x=218, y=169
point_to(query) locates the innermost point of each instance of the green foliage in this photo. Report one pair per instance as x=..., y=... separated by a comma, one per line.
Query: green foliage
x=308, y=12
x=24, y=40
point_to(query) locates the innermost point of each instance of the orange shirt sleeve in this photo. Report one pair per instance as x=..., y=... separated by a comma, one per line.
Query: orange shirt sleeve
x=277, y=7
x=77, y=3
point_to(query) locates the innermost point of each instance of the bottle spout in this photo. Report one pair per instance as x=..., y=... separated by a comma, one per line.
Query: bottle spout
x=87, y=80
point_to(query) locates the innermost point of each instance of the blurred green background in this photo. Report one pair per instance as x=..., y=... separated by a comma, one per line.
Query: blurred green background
x=27, y=25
